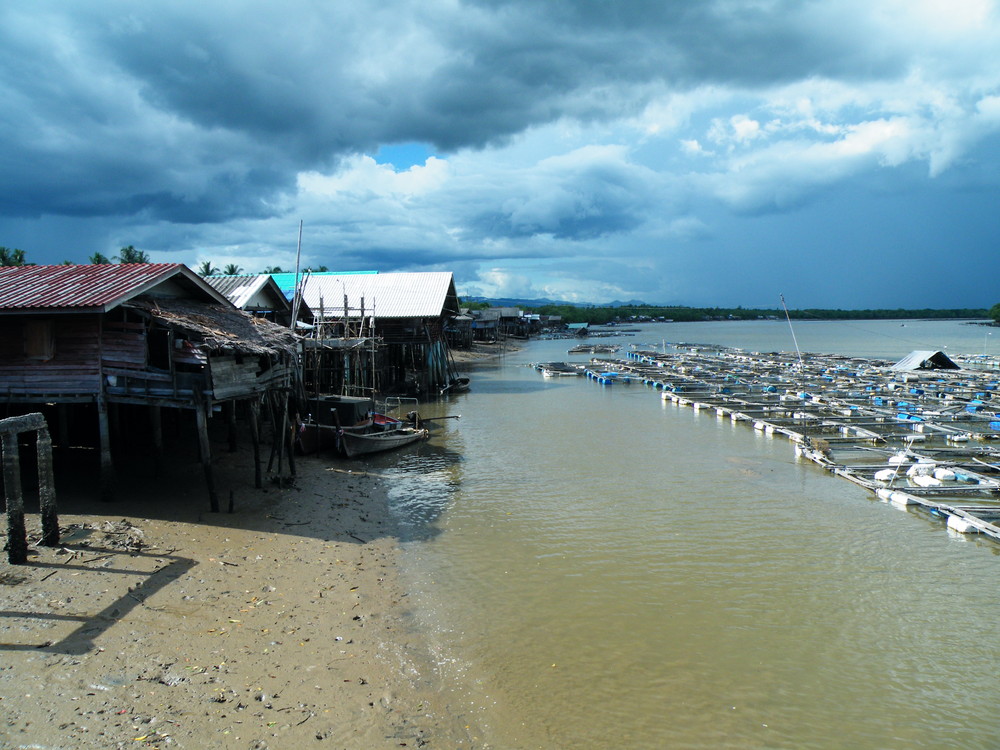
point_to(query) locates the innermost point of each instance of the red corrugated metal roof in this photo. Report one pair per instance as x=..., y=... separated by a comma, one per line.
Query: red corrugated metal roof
x=100, y=286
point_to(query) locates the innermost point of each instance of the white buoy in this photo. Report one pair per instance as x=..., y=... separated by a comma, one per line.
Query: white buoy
x=962, y=525
x=901, y=499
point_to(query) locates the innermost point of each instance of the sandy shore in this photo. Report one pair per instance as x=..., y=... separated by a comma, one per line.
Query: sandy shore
x=283, y=624
x=280, y=625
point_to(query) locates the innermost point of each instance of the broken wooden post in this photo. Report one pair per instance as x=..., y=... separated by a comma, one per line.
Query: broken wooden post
x=17, y=536
x=47, y=488
x=17, y=540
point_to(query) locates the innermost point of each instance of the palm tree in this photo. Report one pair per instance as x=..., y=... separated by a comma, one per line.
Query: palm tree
x=232, y=269
x=130, y=255
x=67, y=263
x=12, y=257
x=207, y=269
x=272, y=269
x=99, y=259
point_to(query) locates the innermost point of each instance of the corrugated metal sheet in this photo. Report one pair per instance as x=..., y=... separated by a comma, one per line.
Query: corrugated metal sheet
x=241, y=289
x=92, y=287
x=392, y=295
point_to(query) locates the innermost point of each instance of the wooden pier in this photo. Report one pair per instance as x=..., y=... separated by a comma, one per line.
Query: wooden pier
x=925, y=439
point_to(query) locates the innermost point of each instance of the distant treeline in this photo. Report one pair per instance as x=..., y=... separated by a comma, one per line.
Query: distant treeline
x=602, y=315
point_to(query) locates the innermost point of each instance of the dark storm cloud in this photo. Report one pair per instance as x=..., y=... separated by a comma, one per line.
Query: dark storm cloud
x=199, y=111
x=687, y=137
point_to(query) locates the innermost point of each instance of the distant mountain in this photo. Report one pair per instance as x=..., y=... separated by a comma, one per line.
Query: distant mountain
x=516, y=302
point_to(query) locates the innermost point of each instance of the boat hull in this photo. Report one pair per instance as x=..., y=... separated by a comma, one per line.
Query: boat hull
x=364, y=443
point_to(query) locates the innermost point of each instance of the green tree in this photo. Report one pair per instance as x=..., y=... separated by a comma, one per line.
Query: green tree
x=130, y=255
x=232, y=269
x=10, y=256
x=99, y=259
x=995, y=312
x=67, y=263
x=205, y=268
x=272, y=269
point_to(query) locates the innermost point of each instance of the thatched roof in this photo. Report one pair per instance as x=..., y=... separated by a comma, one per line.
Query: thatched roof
x=215, y=328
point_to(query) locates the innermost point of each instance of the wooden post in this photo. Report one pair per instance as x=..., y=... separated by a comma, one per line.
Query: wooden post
x=156, y=427
x=17, y=536
x=107, y=466
x=282, y=433
x=255, y=440
x=205, y=452
x=292, y=434
x=47, y=489
x=231, y=422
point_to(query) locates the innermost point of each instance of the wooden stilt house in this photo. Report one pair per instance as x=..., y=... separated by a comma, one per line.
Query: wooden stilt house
x=378, y=331
x=88, y=340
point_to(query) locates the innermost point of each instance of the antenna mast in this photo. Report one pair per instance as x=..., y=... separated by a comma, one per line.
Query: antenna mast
x=789, y=319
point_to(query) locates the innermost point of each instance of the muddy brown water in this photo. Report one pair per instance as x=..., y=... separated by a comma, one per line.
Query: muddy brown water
x=596, y=568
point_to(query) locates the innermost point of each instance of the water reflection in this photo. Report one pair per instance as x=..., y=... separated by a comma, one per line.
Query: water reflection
x=421, y=486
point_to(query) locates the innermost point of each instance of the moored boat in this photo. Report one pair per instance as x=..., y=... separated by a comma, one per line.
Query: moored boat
x=378, y=439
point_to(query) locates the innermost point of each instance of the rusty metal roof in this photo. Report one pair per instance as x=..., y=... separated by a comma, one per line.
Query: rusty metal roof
x=91, y=288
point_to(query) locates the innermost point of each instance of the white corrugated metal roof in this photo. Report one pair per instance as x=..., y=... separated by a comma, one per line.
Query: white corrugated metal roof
x=392, y=295
x=241, y=289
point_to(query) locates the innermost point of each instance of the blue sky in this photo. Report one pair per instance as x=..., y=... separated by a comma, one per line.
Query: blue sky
x=844, y=153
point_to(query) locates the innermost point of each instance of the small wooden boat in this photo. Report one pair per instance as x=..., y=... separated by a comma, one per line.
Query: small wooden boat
x=378, y=439
x=458, y=384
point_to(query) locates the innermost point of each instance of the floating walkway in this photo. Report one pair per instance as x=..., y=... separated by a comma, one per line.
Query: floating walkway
x=920, y=439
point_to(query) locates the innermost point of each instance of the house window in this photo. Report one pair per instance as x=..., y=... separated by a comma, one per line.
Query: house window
x=39, y=339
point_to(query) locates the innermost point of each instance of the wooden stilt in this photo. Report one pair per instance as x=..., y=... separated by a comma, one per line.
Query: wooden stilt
x=231, y=421
x=275, y=430
x=107, y=466
x=17, y=538
x=282, y=433
x=47, y=489
x=291, y=432
x=255, y=440
x=156, y=427
x=206, y=454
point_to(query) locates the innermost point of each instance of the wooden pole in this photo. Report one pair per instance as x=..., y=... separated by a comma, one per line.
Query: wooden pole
x=156, y=427
x=47, y=489
x=206, y=454
x=292, y=431
x=231, y=421
x=107, y=465
x=255, y=441
x=17, y=536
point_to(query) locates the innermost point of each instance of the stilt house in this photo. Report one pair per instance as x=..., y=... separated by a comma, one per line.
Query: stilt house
x=378, y=331
x=95, y=340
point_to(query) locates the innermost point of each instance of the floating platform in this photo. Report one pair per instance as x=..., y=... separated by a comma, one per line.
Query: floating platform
x=924, y=439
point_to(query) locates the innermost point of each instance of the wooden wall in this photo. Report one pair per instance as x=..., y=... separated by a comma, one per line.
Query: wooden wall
x=74, y=366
